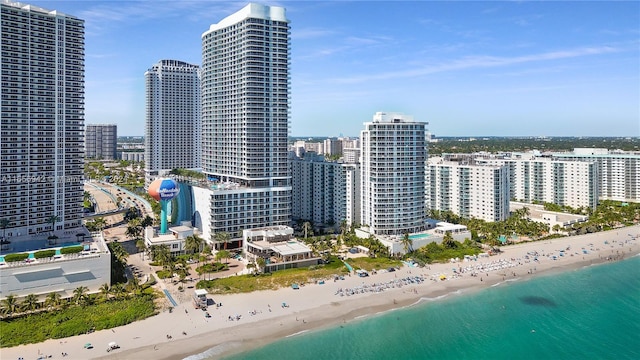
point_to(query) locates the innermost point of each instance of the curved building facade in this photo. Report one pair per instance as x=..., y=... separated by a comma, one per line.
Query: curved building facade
x=394, y=156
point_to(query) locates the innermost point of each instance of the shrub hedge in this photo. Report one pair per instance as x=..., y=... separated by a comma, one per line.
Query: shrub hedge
x=16, y=257
x=44, y=254
x=71, y=249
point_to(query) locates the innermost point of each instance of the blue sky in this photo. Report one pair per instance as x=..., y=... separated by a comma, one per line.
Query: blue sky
x=468, y=68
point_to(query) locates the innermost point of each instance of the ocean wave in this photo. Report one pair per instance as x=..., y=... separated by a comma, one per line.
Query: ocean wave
x=457, y=292
x=216, y=350
x=298, y=333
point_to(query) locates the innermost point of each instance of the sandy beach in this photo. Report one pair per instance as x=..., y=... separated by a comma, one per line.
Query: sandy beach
x=262, y=317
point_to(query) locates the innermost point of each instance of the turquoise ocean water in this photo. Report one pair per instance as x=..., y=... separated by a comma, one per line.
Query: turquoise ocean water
x=590, y=313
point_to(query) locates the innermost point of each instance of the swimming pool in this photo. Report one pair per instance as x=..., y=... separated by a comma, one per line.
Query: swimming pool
x=419, y=236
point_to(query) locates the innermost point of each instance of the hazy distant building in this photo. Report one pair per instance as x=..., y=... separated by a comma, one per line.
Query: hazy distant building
x=351, y=155
x=468, y=190
x=393, y=162
x=173, y=125
x=42, y=119
x=245, y=118
x=101, y=141
x=332, y=147
x=135, y=156
x=618, y=172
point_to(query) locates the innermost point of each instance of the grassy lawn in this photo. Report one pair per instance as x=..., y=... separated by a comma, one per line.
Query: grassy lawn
x=367, y=263
x=275, y=280
x=74, y=320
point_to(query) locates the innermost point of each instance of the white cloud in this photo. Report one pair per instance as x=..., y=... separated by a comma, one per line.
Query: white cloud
x=472, y=62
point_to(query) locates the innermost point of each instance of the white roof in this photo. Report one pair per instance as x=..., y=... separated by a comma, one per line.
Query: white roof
x=201, y=292
x=291, y=248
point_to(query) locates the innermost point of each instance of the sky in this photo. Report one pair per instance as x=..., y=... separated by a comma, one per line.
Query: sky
x=503, y=68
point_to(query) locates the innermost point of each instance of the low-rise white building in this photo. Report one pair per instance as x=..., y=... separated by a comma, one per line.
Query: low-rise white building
x=277, y=246
x=61, y=273
x=174, y=238
x=435, y=233
x=537, y=213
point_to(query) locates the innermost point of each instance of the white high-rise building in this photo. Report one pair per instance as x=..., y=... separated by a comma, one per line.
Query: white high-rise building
x=468, y=190
x=173, y=125
x=101, y=141
x=619, y=172
x=42, y=119
x=394, y=159
x=325, y=192
x=570, y=183
x=245, y=118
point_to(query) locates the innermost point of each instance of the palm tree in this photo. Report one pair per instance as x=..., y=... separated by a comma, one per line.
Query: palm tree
x=79, y=294
x=448, y=241
x=223, y=254
x=30, y=302
x=134, y=230
x=193, y=243
x=141, y=245
x=118, y=290
x=261, y=264
x=147, y=221
x=344, y=228
x=53, y=219
x=222, y=237
x=100, y=223
x=4, y=224
x=104, y=291
x=407, y=242
x=53, y=300
x=307, y=228
x=134, y=285
x=251, y=267
x=9, y=304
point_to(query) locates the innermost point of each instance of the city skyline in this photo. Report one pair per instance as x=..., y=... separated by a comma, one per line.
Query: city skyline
x=486, y=68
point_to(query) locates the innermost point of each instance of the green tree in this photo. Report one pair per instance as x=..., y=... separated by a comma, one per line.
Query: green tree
x=146, y=221
x=53, y=300
x=30, y=303
x=134, y=229
x=53, y=219
x=4, y=224
x=407, y=243
x=9, y=304
x=307, y=228
x=104, y=291
x=193, y=243
x=223, y=254
x=222, y=237
x=448, y=241
x=79, y=294
x=100, y=223
x=141, y=245
x=261, y=263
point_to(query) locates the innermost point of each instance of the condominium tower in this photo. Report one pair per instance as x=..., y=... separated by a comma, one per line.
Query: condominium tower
x=325, y=192
x=245, y=118
x=468, y=190
x=570, y=183
x=618, y=172
x=394, y=158
x=42, y=119
x=173, y=126
x=101, y=141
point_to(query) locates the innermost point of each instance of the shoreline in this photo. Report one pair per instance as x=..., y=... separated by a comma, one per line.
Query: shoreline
x=316, y=307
